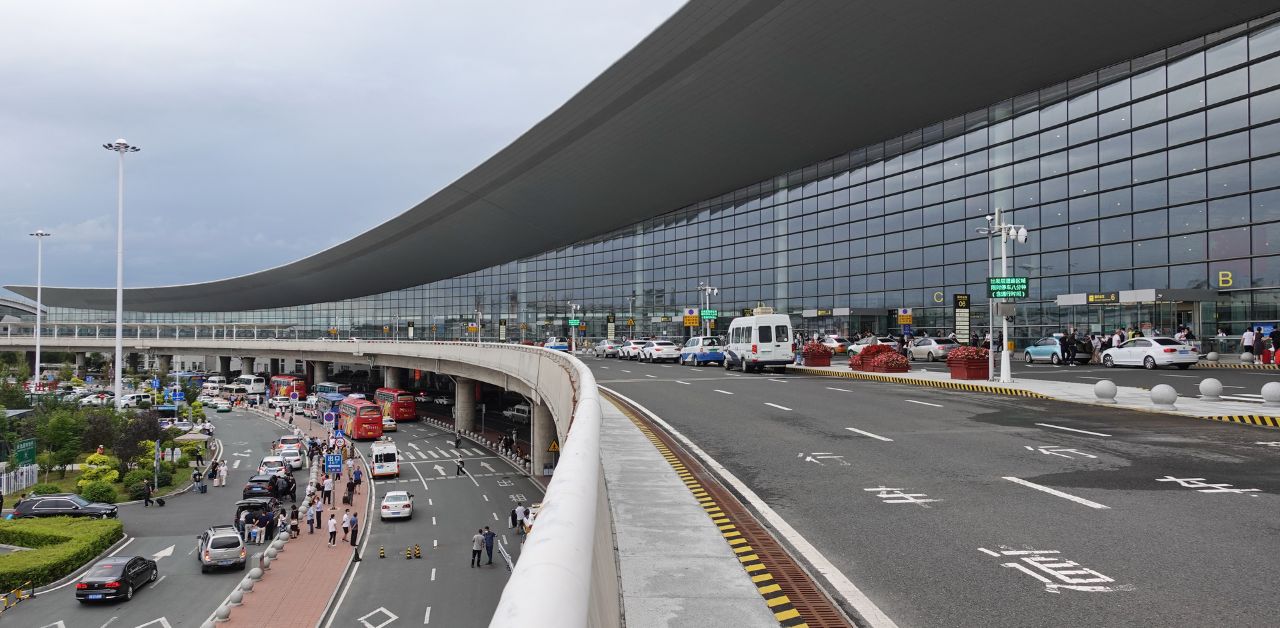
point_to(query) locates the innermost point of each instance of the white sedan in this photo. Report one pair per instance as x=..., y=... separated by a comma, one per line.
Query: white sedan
x=659, y=350
x=605, y=349
x=931, y=349
x=292, y=455
x=1151, y=353
x=630, y=349
x=397, y=505
x=272, y=465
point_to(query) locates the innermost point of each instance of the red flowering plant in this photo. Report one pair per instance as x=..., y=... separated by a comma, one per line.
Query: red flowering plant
x=817, y=349
x=968, y=353
x=860, y=361
x=890, y=361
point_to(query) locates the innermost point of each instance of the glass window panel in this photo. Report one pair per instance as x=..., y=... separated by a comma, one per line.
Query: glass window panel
x=1085, y=182
x=1150, y=252
x=1026, y=171
x=1266, y=206
x=1188, y=68
x=1228, y=86
x=1266, y=173
x=1000, y=155
x=1116, y=256
x=1148, y=278
x=1084, y=234
x=1226, y=54
x=1264, y=107
x=1115, y=202
x=1113, y=94
x=1116, y=280
x=1117, y=229
x=1149, y=110
x=1115, y=175
x=1226, y=243
x=1266, y=274
x=1149, y=139
x=1149, y=167
x=1187, y=248
x=1148, y=82
x=1053, y=139
x=1187, y=188
x=1053, y=214
x=1189, y=276
x=1228, y=180
x=1186, y=99
x=1264, y=140
x=1084, y=260
x=1150, y=224
x=1114, y=148
x=1053, y=238
x=1228, y=148
x=1083, y=131
x=1084, y=156
x=1083, y=208
x=1225, y=212
x=1186, y=128
x=1054, y=164
x=1053, y=189
x=1149, y=196
x=1026, y=147
x=1264, y=42
x=1186, y=159
x=1082, y=105
x=1266, y=238
x=1053, y=114
x=1187, y=218
x=1264, y=74
x=1114, y=121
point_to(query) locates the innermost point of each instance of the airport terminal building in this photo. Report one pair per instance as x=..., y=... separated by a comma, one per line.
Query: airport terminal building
x=1149, y=186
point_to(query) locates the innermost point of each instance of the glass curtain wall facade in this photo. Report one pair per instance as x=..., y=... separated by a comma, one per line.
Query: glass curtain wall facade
x=1155, y=173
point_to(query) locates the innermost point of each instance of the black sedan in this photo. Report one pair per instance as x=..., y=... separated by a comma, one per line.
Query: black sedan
x=116, y=578
x=62, y=505
x=259, y=486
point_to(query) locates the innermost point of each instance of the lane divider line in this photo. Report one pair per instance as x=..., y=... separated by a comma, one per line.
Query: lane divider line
x=1057, y=493
x=1072, y=429
x=777, y=406
x=875, y=436
x=923, y=403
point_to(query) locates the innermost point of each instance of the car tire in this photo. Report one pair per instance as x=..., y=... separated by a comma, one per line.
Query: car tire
x=1026, y=357
x=204, y=568
x=1108, y=361
x=1149, y=363
x=244, y=565
x=745, y=369
x=1056, y=360
x=932, y=358
x=128, y=593
x=725, y=364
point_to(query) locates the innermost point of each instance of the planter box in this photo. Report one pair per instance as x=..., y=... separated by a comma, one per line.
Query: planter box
x=969, y=369
x=817, y=360
x=890, y=369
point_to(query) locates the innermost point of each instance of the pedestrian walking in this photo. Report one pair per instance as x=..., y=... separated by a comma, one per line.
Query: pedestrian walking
x=199, y=457
x=357, y=476
x=457, y=440
x=333, y=530
x=477, y=545
x=311, y=518
x=355, y=528
x=351, y=465
x=488, y=544
x=291, y=486
x=514, y=519
x=328, y=490
x=146, y=497
x=461, y=463
x=346, y=523
x=1246, y=341
x=222, y=475
x=349, y=498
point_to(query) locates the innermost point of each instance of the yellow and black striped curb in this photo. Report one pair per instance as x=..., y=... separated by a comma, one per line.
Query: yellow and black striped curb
x=932, y=383
x=1248, y=419
x=779, y=604
x=1203, y=364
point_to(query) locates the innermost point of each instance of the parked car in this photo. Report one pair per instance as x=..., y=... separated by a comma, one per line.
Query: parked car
x=1049, y=349
x=116, y=578
x=1151, y=353
x=559, y=344
x=220, y=546
x=184, y=425
x=519, y=413
x=134, y=400
x=605, y=349
x=62, y=505
x=863, y=343
x=836, y=344
x=258, y=486
x=222, y=405
x=99, y=399
x=630, y=350
x=659, y=351
x=760, y=341
x=255, y=506
x=422, y=397
x=931, y=349
x=292, y=455
x=278, y=402
x=700, y=350
x=397, y=505
x=272, y=465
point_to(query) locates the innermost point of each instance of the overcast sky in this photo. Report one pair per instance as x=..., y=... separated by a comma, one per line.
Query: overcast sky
x=269, y=130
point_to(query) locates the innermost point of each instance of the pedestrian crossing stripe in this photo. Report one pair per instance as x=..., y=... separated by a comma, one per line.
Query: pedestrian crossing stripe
x=779, y=604
x=1247, y=419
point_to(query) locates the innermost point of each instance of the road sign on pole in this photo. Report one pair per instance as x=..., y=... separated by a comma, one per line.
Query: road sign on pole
x=293, y=396
x=25, y=454
x=332, y=463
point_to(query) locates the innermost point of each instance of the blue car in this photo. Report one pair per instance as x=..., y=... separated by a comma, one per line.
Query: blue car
x=1049, y=349
x=701, y=350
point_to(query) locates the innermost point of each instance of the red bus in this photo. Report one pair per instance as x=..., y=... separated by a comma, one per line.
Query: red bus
x=282, y=385
x=361, y=419
x=397, y=404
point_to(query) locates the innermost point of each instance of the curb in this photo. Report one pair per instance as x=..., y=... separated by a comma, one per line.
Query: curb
x=999, y=390
x=1247, y=419
x=1256, y=367
x=79, y=571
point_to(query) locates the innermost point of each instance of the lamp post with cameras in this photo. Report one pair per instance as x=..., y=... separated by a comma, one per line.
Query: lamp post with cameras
x=120, y=147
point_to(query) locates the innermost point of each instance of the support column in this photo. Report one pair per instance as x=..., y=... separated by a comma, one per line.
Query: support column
x=543, y=433
x=31, y=366
x=224, y=366
x=392, y=376
x=164, y=363
x=80, y=357
x=464, y=404
x=319, y=373
x=246, y=366
x=132, y=360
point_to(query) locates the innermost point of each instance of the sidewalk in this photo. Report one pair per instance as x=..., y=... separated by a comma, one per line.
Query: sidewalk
x=297, y=588
x=1127, y=397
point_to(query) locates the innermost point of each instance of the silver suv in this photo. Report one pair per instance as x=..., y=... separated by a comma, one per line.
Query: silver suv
x=220, y=546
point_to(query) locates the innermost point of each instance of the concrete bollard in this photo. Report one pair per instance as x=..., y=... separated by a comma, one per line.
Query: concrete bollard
x=272, y=553
x=1163, y=396
x=1213, y=356
x=247, y=584
x=283, y=537
x=255, y=573
x=1105, y=390
x=237, y=598
x=1210, y=390
x=224, y=613
x=1246, y=358
x=1271, y=395
x=265, y=562
x=208, y=624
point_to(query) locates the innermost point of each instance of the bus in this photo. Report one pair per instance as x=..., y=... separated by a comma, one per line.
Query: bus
x=248, y=385
x=282, y=385
x=332, y=387
x=397, y=404
x=327, y=403
x=386, y=460
x=360, y=419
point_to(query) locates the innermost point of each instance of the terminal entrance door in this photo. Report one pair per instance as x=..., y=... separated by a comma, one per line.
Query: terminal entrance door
x=1151, y=318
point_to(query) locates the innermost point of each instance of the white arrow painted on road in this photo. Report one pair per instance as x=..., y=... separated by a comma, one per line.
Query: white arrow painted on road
x=235, y=465
x=241, y=455
x=162, y=622
x=440, y=469
x=486, y=465
x=164, y=553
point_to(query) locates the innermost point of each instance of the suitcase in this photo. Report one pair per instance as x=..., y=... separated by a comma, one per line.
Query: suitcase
x=346, y=499
x=160, y=502
x=204, y=488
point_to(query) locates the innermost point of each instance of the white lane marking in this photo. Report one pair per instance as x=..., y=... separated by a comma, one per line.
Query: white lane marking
x=126, y=544
x=235, y=464
x=665, y=366
x=989, y=552
x=420, y=478
x=841, y=583
x=1071, y=429
x=695, y=370
x=780, y=381
x=685, y=383
x=413, y=445
x=875, y=436
x=157, y=582
x=1172, y=375
x=839, y=389
x=777, y=406
x=723, y=392
x=1055, y=492
x=486, y=497
x=604, y=367
x=435, y=543
x=433, y=574
x=648, y=375
x=1084, y=377
x=624, y=370
x=495, y=516
x=426, y=619
x=430, y=502
x=1225, y=386
x=433, y=454
x=923, y=403
x=433, y=521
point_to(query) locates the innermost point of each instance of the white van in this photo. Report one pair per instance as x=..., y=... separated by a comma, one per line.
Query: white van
x=759, y=341
x=518, y=413
x=385, y=459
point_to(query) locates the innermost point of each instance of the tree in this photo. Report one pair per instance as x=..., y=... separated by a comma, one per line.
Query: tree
x=101, y=426
x=64, y=373
x=12, y=396
x=60, y=430
x=137, y=428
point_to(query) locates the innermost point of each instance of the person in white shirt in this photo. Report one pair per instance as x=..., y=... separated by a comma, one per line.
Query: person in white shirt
x=1116, y=339
x=1246, y=341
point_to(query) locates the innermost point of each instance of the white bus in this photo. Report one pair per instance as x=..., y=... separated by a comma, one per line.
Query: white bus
x=386, y=459
x=248, y=385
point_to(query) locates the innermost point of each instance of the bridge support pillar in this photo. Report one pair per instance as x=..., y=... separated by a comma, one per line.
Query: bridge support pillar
x=319, y=371
x=131, y=361
x=392, y=376
x=31, y=365
x=464, y=404
x=164, y=363
x=246, y=365
x=541, y=437
x=80, y=358
x=224, y=366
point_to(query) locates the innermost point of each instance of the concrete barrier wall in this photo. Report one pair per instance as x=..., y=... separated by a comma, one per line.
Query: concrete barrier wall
x=567, y=574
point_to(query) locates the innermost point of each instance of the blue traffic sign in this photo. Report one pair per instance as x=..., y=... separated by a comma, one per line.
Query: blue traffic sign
x=155, y=383
x=339, y=434
x=293, y=396
x=329, y=417
x=178, y=395
x=88, y=379
x=906, y=328
x=332, y=463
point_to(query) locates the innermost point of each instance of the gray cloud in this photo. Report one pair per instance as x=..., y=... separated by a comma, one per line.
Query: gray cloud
x=269, y=130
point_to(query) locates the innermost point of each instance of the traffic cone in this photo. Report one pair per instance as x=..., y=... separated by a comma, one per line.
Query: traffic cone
x=408, y=553
x=382, y=552
x=417, y=551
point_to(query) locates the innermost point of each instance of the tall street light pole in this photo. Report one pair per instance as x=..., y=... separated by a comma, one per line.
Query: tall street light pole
x=39, y=235
x=991, y=308
x=1007, y=232
x=707, y=291
x=573, y=329
x=120, y=147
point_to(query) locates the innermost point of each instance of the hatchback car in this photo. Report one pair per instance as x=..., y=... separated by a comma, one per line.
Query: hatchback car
x=397, y=505
x=605, y=349
x=630, y=350
x=258, y=486
x=389, y=424
x=1049, y=349
x=62, y=505
x=1151, y=353
x=115, y=578
x=931, y=349
x=700, y=350
x=659, y=351
x=220, y=546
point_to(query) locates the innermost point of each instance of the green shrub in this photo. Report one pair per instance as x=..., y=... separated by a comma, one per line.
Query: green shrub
x=98, y=468
x=166, y=478
x=137, y=491
x=60, y=545
x=99, y=491
x=136, y=476
x=44, y=489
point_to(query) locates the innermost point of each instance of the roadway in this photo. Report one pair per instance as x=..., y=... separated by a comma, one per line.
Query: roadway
x=440, y=588
x=932, y=501
x=182, y=596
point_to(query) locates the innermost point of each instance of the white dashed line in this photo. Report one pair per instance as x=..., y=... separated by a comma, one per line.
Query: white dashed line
x=1071, y=429
x=685, y=383
x=839, y=389
x=923, y=403
x=777, y=406
x=1055, y=492
x=723, y=392
x=875, y=436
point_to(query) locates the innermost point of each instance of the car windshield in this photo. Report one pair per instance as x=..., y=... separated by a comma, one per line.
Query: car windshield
x=662, y=344
x=710, y=342
x=839, y=339
x=397, y=498
x=224, y=542
x=1168, y=342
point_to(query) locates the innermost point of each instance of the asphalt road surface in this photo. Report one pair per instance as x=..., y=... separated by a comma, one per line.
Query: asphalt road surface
x=182, y=596
x=440, y=589
x=962, y=509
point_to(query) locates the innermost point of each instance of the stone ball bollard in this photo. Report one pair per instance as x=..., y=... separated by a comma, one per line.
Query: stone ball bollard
x=1210, y=389
x=1246, y=358
x=246, y=584
x=1105, y=390
x=264, y=561
x=255, y=573
x=1271, y=395
x=1213, y=356
x=283, y=536
x=1163, y=396
x=271, y=553
x=224, y=613
x=237, y=598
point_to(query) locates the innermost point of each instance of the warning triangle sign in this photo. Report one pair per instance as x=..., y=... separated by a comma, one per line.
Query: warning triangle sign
x=553, y=448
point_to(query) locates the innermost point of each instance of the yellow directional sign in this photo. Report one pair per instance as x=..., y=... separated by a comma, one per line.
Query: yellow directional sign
x=691, y=321
x=553, y=448
x=471, y=328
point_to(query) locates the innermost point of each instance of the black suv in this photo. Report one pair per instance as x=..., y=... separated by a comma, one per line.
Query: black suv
x=62, y=505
